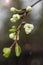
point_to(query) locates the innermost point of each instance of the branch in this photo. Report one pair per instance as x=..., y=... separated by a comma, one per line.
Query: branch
x=35, y=3
x=24, y=10
x=19, y=27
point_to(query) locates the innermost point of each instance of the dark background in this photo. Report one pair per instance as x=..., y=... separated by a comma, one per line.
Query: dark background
x=32, y=44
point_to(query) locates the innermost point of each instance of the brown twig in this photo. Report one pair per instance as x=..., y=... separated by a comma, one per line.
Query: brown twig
x=36, y=3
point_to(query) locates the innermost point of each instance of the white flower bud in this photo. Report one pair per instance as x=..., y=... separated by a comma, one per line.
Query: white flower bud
x=11, y=35
x=12, y=20
x=13, y=9
x=28, y=9
x=16, y=16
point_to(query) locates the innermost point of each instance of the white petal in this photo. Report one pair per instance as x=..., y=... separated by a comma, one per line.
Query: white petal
x=16, y=16
x=27, y=31
x=11, y=35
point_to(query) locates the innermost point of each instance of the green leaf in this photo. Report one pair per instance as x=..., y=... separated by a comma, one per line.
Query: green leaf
x=13, y=29
x=17, y=50
x=6, y=52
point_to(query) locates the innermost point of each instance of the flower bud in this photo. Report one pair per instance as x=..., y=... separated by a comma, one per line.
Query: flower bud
x=17, y=50
x=28, y=28
x=13, y=9
x=7, y=52
x=28, y=9
x=16, y=16
x=13, y=36
x=12, y=20
x=13, y=27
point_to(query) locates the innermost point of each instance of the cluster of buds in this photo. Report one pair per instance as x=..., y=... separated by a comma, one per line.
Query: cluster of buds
x=14, y=31
x=15, y=18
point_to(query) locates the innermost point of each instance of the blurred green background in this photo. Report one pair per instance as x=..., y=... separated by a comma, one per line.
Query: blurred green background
x=32, y=44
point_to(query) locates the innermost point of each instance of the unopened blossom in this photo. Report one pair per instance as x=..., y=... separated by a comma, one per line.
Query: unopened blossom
x=13, y=36
x=28, y=9
x=15, y=10
x=16, y=16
